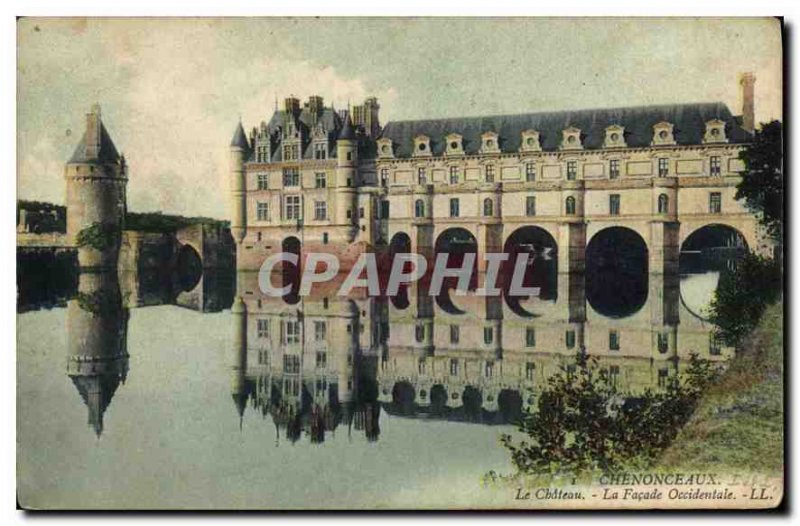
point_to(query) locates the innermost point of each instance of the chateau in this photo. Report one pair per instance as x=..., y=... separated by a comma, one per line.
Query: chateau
x=314, y=179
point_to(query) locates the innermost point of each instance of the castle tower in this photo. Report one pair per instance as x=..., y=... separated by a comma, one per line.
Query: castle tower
x=347, y=176
x=97, y=327
x=96, y=178
x=238, y=356
x=240, y=150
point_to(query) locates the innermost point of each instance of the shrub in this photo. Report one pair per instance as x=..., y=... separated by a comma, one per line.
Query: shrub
x=100, y=236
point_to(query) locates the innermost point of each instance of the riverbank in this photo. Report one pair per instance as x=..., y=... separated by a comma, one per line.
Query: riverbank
x=738, y=426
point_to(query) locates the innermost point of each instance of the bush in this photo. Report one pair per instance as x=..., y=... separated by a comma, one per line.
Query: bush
x=164, y=223
x=100, y=236
x=743, y=294
x=581, y=423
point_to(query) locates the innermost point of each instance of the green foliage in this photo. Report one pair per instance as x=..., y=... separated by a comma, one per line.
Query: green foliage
x=100, y=236
x=164, y=223
x=762, y=182
x=581, y=423
x=43, y=217
x=743, y=294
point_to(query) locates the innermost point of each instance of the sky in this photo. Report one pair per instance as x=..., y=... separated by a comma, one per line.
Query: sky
x=173, y=90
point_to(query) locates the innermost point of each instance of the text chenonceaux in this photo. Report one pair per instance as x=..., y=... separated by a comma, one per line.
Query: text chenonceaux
x=406, y=269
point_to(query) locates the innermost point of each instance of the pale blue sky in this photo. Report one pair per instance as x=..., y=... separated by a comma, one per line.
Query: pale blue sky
x=172, y=90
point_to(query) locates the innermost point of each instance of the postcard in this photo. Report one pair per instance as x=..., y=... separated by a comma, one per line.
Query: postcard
x=400, y=264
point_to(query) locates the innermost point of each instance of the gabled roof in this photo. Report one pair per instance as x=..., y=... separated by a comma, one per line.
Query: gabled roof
x=107, y=154
x=688, y=119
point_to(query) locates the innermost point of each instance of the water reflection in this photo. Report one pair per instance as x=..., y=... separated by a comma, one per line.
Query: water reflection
x=322, y=364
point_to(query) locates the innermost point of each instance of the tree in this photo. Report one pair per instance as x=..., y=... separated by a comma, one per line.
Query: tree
x=762, y=182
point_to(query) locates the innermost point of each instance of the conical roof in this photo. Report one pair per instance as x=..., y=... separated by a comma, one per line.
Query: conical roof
x=106, y=154
x=239, y=137
x=347, y=132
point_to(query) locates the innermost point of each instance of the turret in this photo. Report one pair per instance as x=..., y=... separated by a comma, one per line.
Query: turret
x=347, y=174
x=240, y=150
x=97, y=360
x=238, y=355
x=96, y=178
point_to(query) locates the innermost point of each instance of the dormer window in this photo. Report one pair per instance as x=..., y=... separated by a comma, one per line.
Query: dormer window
x=715, y=131
x=385, y=150
x=571, y=139
x=455, y=145
x=422, y=146
x=530, y=141
x=490, y=143
x=615, y=137
x=662, y=134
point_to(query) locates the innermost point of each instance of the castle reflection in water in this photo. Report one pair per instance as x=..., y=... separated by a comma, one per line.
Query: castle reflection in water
x=310, y=366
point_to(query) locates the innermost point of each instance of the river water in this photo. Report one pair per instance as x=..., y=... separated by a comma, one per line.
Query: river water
x=133, y=396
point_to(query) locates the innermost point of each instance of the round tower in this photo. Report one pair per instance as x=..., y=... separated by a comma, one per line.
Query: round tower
x=96, y=178
x=238, y=356
x=346, y=175
x=240, y=150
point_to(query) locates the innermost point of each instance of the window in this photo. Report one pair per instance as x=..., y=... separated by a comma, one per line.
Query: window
x=324, y=238
x=291, y=332
x=290, y=152
x=262, y=154
x=320, y=151
x=488, y=207
x=419, y=208
x=489, y=173
x=613, y=168
x=320, y=331
x=455, y=333
x=613, y=204
x=349, y=156
x=291, y=364
x=714, y=344
x=291, y=177
x=488, y=369
x=263, y=328
x=262, y=211
x=384, y=176
x=422, y=178
x=663, y=167
x=263, y=181
x=421, y=366
x=292, y=207
x=570, y=206
x=572, y=170
x=488, y=335
x=320, y=210
x=613, y=340
x=361, y=212
x=613, y=374
x=454, y=175
x=320, y=180
x=453, y=367
x=530, y=172
x=384, y=209
x=663, y=342
x=715, y=203
x=663, y=204
x=530, y=205
x=663, y=376
x=453, y=207
x=530, y=370
x=715, y=166
x=569, y=338
x=530, y=337
x=419, y=333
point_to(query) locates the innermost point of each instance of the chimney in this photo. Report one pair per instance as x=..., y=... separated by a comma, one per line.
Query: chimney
x=292, y=106
x=747, y=83
x=93, y=125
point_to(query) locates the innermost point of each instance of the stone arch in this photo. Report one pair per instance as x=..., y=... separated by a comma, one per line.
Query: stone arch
x=457, y=242
x=542, y=249
x=438, y=398
x=617, y=277
x=472, y=399
x=509, y=403
x=188, y=268
x=403, y=396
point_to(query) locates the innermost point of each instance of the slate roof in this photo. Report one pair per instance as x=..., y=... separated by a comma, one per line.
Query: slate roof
x=347, y=133
x=329, y=119
x=107, y=154
x=240, y=138
x=688, y=120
